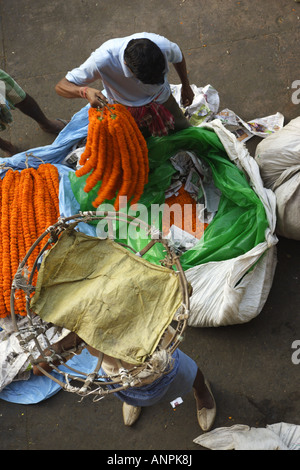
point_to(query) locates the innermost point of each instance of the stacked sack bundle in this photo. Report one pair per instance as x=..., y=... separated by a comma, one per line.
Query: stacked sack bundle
x=278, y=157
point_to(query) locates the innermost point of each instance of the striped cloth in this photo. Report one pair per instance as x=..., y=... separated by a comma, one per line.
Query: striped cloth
x=155, y=117
x=10, y=94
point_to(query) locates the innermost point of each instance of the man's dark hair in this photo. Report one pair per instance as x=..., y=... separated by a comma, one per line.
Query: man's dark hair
x=145, y=60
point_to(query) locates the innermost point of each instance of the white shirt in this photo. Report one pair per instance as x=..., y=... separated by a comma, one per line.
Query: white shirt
x=107, y=63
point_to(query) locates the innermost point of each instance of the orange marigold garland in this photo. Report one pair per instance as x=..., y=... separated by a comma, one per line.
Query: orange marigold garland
x=188, y=219
x=27, y=211
x=50, y=177
x=100, y=158
x=39, y=194
x=116, y=154
x=7, y=196
x=90, y=156
x=30, y=211
x=15, y=235
x=142, y=168
x=29, y=204
x=116, y=174
x=106, y=191
x=134, y=155
x=126, y=163
x=2, y=304
x=141, y=144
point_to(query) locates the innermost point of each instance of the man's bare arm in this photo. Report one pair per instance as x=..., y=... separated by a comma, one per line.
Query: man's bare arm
x=68, y=89
x=187, y=94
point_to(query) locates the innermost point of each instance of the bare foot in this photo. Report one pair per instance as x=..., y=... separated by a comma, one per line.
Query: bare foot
x=45, y=365
x=54, y=126
x=8, y=148
x=66, y=344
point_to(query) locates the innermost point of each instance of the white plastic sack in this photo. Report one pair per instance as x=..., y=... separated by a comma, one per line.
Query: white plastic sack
x=228, y=292
x=288, y=208
x=279, y=436
x=278, y=157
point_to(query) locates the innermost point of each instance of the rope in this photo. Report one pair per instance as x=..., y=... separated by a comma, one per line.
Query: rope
x=28, y=155
x=20, y=281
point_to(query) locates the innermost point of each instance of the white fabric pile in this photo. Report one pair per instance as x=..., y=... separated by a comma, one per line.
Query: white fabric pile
x=278, y=157
x=279, y=436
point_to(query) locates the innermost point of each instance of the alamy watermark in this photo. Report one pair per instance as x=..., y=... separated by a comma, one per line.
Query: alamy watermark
x=138, y=218
x=296, y=93
x=296, y=353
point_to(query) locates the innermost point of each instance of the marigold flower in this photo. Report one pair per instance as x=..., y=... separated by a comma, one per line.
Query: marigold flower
x=116, y=154
x=28, y=205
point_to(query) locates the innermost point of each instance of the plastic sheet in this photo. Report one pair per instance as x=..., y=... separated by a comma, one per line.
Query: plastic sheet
x=39, y=388
x=241, y=220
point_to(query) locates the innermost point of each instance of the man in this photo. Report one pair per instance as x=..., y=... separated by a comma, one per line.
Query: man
x=182, y=376
x=13, y=96
x=133, y=71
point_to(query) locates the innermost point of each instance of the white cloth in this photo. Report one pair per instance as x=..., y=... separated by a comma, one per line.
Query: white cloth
x=278, y=436
x=278, y=158
x=107, y=63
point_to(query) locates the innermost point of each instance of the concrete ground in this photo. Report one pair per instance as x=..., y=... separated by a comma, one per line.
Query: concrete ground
x=247, y=50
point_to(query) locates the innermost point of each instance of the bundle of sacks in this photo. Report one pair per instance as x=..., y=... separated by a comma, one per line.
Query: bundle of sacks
x=278, y=157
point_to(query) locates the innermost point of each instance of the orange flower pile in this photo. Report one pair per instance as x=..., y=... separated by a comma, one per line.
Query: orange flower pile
x=186, y=219
x=29, y=204
x=116, y=153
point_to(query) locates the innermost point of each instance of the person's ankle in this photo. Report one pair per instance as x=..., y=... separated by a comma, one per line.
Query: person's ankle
x=52, y=126
x=9, y=149
x=205, y=400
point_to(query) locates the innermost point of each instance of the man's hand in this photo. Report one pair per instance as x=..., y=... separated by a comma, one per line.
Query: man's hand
x=70, y=90
x=187, y=95
x=95, y=97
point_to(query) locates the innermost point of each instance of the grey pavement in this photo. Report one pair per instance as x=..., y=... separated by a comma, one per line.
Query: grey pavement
x=249, y=51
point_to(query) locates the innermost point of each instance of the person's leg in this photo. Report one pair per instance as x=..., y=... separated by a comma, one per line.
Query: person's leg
x=205, y=402
x=18, y=98
x=67, y=343
x=183, y=377
x=202, y=394
x=8, y=148
x=189, y=377
x=31, y=108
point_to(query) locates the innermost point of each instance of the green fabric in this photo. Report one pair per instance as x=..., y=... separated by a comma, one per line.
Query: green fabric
x=13, y=92
x=115, y=301
x=10, y=93
x=241, y=219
